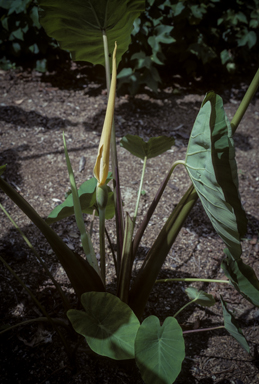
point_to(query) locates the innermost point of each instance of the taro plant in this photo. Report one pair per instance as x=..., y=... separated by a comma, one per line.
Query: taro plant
x=113, y=325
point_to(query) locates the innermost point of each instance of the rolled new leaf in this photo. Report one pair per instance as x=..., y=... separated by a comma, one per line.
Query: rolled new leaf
x=210, y=162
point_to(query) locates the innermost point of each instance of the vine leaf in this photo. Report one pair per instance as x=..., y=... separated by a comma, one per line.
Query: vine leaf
x=78, y=26
x=210, y=162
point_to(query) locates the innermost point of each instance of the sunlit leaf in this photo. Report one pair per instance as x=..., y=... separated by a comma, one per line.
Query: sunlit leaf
x=200, y=297
x=159, y=350
x=139, y=148
x=210, y=161
x=108, y=324
x=232, y=326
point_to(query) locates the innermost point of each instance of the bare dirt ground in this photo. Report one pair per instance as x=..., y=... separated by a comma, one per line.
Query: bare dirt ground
x=34, y=111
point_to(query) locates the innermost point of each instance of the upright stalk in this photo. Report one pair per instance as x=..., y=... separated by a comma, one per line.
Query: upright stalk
x=245, y=102
x=139, y=191
x=115, y=168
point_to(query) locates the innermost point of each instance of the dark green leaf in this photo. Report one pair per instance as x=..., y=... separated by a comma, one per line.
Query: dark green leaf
x=87, y=197
x=79, y=27
x=139, y=148
x=232, y=326
x=210, y=161
x=108, y=324
x=159, y=350
x=200, y=297
x=242, y=277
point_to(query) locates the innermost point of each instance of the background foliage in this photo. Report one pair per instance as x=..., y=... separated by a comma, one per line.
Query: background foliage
x=189, y=37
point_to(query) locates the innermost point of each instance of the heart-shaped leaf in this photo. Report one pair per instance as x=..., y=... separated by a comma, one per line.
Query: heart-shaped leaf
x=79, y=25
x=108, y=324
x=242, y=277
x=159, y=350
x=200, y=297
x=139, y=148
x=232, y=326
x=210, y=162
x=87, y=197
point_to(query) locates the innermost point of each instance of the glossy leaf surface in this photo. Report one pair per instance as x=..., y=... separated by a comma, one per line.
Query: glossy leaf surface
x=159, y=350
x=200, y=297
x=232, y=326
x=210, y=162
x=139, y=148
x=78, y=25
x=108, y=324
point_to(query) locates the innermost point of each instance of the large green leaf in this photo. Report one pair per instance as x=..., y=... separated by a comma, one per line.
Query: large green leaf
x=78, y=25
x=108, y=324
x=200, y=297
x=210, y=161
x=242, y=277
x=87, y=197
x=139, y=148
x=232, y=326
x=159, y=350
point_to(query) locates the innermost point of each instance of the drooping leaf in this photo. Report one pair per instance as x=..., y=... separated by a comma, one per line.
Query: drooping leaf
x=159, y=350
x=78, y=25
x=200, y=297
x=87, y=197
x=242, y=277
x=210, y=162
x=108, y=324
x=139, y=148
x=232, y=326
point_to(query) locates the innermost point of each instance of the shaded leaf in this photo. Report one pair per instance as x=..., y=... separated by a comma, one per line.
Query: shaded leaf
x=210, y=162
x=139, y=148
x=87, y=197
x=159, y=350
x=242, y=277
x=200, y=297
x=108, y=324
x=79, y=27
x=232, y=326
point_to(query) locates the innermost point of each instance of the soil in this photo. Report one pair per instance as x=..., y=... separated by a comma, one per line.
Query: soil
x=34, y=111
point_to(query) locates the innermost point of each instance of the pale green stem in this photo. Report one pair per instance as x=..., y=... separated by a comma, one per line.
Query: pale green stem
x=204, y=329
x=107, y=62
x=193, y=279
x=245, y=102
x=186, y=305
x=140, y=189
x=102, y=242
x=62, y=295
